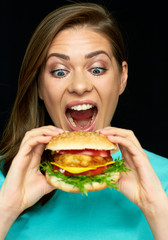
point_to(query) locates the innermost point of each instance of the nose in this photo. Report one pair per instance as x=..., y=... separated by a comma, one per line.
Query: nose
x=80, y=84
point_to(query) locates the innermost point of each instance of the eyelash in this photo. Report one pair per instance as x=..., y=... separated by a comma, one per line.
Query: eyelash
x=53, y=72
x=100, y=71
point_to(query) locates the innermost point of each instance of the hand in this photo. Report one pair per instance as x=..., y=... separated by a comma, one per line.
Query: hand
x=24, y=184
x=141, y=185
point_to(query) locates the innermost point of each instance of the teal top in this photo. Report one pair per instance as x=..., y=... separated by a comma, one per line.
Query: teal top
x=105, y=214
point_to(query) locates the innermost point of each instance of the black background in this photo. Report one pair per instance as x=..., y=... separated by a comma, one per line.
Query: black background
x=143, y=106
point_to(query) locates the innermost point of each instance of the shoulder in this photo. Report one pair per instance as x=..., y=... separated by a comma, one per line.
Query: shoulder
x=157, y=160
x=2, y=178
x=160, y=166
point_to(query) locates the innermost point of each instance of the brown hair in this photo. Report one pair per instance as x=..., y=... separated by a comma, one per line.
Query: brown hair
x=28, y=111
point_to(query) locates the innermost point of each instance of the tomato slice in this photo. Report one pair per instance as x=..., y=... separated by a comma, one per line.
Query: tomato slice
x=93, y=172
x=89, y=152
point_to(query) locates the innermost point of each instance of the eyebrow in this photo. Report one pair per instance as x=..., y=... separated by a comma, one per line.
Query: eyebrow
x=59, y=55
x=87, y=56
x=93, y=54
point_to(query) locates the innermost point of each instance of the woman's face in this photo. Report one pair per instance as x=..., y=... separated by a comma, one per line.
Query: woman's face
x=81, y=81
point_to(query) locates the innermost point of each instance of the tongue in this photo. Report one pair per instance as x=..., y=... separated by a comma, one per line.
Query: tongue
x=83, y=124
x=82, y=115
x=82, y=118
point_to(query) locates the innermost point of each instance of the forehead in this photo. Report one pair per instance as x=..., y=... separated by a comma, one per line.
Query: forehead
x=79, y=39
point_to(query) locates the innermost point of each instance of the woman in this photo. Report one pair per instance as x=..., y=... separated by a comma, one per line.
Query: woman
x=72, y=75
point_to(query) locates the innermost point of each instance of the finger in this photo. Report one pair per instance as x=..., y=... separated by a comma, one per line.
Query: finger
x=32, y=148
x=45, y=131
x=130, y=151
x=122, y=133
x=45, y=186
x=33, y=142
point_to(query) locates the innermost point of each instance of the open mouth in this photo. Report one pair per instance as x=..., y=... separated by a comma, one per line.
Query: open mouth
x=81, y=117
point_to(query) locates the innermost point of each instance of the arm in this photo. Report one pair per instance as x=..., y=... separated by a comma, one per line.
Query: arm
x=158, y=219
x=141, y=185
x=7, y=219
x=24, y=184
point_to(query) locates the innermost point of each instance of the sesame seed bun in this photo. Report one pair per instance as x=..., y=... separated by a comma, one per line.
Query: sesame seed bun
x=80, y=140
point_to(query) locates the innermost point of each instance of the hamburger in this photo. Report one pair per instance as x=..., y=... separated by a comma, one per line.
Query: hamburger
x=81, y=161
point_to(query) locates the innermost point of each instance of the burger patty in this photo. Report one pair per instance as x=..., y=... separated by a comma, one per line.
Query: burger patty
x=78, y=160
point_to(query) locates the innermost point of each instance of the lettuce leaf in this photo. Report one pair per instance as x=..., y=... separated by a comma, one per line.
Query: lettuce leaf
x=80, y=180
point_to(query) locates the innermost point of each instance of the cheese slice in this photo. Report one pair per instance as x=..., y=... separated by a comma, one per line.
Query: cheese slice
x=81, y=169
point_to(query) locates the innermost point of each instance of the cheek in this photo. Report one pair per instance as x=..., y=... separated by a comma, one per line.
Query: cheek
x=50, y=93
x=110, y=89
x=51, y=99
x=109, y=93
x=49, y=96
x=48, y=89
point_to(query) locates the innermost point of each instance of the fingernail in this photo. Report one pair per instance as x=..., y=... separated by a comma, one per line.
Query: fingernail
x=99, y=130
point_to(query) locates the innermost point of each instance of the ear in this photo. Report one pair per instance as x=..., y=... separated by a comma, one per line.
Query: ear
x=124, y=76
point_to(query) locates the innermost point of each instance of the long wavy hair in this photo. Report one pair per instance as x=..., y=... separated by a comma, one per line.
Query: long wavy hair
x=29, y=111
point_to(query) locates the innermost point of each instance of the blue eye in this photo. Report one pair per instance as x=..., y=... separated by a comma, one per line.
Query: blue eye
x=59, y=73
x=98, y=70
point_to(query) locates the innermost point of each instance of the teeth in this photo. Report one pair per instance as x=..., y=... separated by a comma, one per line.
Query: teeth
x=73, y=123
x=82, y=107
x=70, y=119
